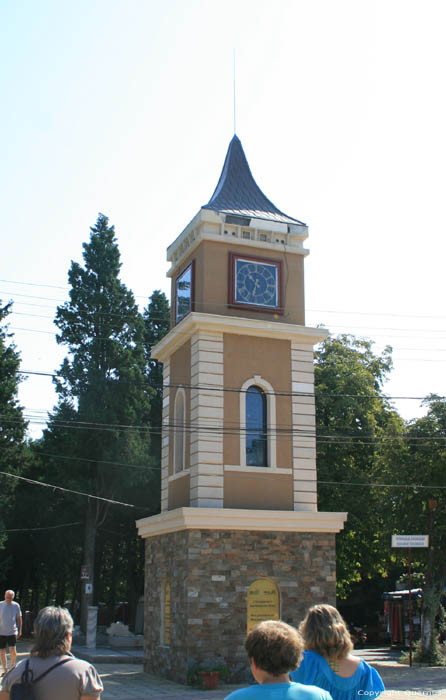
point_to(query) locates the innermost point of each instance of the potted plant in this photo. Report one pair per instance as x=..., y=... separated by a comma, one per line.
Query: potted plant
x=209, y=679
x=207, y=676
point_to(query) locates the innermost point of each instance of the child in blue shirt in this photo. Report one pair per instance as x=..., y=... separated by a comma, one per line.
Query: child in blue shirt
x=274, y=649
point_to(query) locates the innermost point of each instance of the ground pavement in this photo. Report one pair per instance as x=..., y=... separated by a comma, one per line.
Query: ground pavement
x=123, y=677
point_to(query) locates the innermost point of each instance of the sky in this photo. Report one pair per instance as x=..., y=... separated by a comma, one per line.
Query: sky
x=126, y=107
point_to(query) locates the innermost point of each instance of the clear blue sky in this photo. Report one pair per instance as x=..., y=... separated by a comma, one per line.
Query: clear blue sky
x=125, y=107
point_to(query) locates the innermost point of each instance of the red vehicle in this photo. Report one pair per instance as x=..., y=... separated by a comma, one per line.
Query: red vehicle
x=358, y=635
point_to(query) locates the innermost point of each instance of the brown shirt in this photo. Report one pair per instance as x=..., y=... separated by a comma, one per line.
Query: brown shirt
x=69, y=681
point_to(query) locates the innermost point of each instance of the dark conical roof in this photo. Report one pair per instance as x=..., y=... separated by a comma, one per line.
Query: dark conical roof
x=238, y=194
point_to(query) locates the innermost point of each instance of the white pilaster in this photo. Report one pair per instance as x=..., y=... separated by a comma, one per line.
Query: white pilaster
x=206, y=420
x=165, y=437
x=304, y=428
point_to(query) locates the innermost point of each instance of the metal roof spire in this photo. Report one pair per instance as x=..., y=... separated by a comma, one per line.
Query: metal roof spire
x=238, y=194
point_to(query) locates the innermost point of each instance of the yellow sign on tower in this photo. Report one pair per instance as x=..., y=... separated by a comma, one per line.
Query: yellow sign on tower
x=263, y=602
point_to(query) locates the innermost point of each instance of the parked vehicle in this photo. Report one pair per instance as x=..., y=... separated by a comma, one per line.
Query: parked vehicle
x=358, y=635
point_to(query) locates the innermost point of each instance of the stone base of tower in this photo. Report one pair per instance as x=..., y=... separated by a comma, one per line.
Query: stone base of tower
x=197, y=579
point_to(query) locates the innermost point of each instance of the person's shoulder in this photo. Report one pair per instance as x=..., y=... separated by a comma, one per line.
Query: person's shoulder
x=308, y=667
x=374, y=680
x=241, y=693
x=312, y=658
x=313, y=655
x=80, y=663
x=11, y=675
x=19, y=665
x=81, y=666
x=366, y=668
x=311, y=692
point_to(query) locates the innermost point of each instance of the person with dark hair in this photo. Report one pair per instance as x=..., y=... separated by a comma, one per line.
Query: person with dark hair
x=274, y=649
x=71, y=678
x=328, y=662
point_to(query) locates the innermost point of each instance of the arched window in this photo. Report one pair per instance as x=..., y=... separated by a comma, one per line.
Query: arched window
x=256, y=423
x=179, y=431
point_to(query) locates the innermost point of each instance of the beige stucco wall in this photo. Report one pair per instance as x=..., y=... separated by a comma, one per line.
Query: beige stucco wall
x=212, y=279
x=269, y=358
x=245, y=357
x=258, y=491
x=179, y=492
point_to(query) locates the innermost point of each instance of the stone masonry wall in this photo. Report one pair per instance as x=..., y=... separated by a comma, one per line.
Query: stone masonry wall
x=210, y=573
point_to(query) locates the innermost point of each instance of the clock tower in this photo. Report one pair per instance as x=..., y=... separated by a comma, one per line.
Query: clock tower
x=238, y=473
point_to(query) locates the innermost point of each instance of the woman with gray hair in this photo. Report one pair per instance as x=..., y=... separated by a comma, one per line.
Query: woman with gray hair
x=56, y=673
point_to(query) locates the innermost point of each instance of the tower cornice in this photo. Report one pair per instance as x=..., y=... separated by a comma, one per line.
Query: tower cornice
x=240, y=519
x=209, y=225
x=213, y=323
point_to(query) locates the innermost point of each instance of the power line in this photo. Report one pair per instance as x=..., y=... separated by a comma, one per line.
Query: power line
x=319, y=311
x=304, y=394
x=280, y=434
x=37, y=529
x=386, y=486
x=74, y=458
x=36, y=284
x=107, y=314
x=225, y=306
x=234, y=428
x=394, y=346
x=394, y=358
x=60, y=488
x=329, y=483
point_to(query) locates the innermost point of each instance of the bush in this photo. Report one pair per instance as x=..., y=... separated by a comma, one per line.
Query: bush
x=436, y=656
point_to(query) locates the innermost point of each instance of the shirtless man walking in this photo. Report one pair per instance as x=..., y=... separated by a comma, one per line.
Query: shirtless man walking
x=10, y=628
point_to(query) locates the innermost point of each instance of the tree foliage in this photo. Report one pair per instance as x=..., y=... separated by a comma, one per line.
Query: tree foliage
x=426, y=465
x=357, y=431
x=104, y=439
x=156, y=325
x=104, y=390
x=12, y=422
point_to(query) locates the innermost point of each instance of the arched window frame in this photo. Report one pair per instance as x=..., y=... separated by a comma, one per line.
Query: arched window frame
x=179, y=432
x=270, y=421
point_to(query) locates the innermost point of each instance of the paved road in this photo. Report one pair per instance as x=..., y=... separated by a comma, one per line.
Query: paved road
x=127, y=681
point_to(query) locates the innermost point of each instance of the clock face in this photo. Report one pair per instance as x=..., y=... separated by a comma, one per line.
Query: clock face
x=183, y=289
x=256, y=283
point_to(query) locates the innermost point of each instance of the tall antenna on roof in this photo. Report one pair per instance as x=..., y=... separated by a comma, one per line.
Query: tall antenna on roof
x=234, y=90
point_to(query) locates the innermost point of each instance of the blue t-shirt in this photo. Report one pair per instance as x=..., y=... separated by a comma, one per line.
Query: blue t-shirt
x=9, y=614
x=315, y=670
x=279, y=691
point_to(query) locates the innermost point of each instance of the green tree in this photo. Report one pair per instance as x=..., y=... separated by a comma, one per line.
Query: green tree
x=157, y=324
x=357, y=430
x=103, y=380
x=426, y=466
x=12, y=423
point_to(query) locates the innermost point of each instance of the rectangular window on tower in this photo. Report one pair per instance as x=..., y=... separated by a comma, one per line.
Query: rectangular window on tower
x=184, y=293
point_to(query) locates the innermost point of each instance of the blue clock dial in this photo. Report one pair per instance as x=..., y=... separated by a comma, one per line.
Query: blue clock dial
x=256, y=283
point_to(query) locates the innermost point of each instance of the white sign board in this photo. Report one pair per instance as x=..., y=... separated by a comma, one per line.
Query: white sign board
x=410, y=540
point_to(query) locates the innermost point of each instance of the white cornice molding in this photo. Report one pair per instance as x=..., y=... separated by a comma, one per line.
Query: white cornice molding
x=214, y=323
x=247, y=243
x=290, y=236
x=240, y=519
